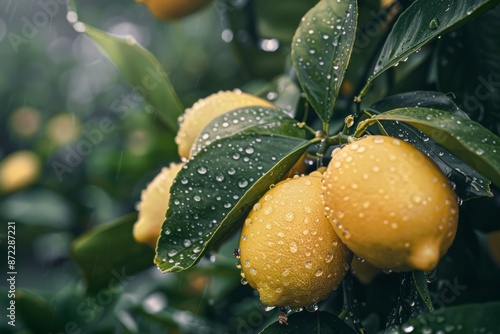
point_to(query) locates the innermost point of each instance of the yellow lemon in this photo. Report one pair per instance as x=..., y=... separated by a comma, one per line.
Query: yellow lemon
x=154, y=205
x=288, y=250
x=390, y=204
x=18, y=170
x=174, y=9
x=205, y=110
x=364, y=271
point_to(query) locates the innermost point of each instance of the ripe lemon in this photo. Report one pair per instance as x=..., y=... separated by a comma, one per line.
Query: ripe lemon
x=364, y=271
x=173, y=9
x=154, y=205
x=205, y=110
x=19, y=170
x=289, y=251
x=390, y=204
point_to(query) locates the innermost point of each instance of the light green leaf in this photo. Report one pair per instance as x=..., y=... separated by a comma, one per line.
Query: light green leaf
x=140, y=68
x=109, y=252
x=321, y=49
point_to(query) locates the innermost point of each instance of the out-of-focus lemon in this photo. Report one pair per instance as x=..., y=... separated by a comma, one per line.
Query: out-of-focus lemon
x=18, y=170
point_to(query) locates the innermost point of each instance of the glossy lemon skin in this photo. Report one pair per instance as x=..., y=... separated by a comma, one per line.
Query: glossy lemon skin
x=174, y=9
x=390, y=204
x=289, y=251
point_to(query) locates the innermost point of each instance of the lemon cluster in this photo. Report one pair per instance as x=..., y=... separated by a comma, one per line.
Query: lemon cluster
x=380, y=199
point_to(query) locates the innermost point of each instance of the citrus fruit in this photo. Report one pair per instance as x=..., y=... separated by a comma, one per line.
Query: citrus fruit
x=173, y=9
x=390, y=204
x=205, y=110
x=288, y=250
x=19, y=170
x=154, y=205
x=363, y=271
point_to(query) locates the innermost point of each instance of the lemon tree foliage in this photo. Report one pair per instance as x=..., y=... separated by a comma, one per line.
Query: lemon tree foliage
x=418, y=26
x=466, y=139
x=141, y=69
x=218, y=186
x=321, y=49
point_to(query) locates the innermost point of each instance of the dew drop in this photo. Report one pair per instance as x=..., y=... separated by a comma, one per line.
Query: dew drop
x=202, y=170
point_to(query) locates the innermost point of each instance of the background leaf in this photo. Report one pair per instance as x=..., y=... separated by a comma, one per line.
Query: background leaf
x=472, y=318
x=37, y=313
x=422, y=22
x=321, y=50
x=140, y=68
x=476, y=85
x=109, y=251
x=216, y=189
x=466, y=139
x=306, y=322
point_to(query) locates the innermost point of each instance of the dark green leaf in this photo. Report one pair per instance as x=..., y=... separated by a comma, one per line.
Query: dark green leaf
x=466, y=139
x=321, y=50
x=421, y=99
x=422, y=22
x=474, y=49
x=109, y=254
x=217, y=188
x=141, y=69
x=245, y=121
x=466, y=319
x=37, y=313
x=309, y=323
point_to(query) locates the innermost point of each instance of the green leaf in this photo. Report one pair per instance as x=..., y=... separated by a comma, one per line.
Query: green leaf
x=216, y=189
x=109, y=254
x=321, y=50
x=474, y=49
x=307, y=322
x=422, y=22
x=420, y=282
x=37, y=313
x=469, y=183
x=465, y=319
x=243, y=121
x=466, y=139
x=140, y=68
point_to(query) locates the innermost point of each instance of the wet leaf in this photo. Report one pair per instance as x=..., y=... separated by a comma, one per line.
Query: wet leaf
x=465, y=319
x=466, y=139
x=422, y=22
x=476, y=85
x=109, y=252
x=140, y=68
x=284, y=93
x=306, y=322
x=252, y=120
x=216, y=189
x=321, y=50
